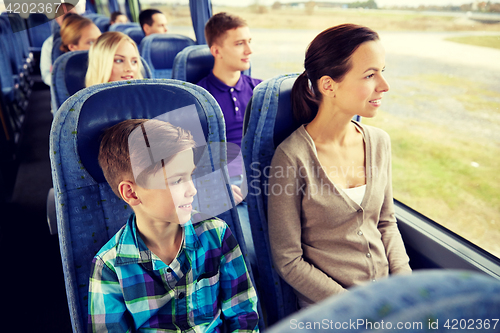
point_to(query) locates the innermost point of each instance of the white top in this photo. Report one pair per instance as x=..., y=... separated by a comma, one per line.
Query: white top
x=356, y=193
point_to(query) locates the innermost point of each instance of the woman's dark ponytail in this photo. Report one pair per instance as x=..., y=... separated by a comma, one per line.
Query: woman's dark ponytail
x=304, y=102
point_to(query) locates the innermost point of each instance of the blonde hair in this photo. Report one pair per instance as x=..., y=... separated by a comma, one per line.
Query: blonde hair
x=101, y=57
x=71, y=30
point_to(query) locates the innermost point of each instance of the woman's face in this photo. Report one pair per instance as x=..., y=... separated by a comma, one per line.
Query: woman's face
x=125, y=62
x=89, y=35
x=361, y=90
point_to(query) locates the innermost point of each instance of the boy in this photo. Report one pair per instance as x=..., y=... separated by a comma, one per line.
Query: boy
x=153, y=21
x=228, y=37
x=162, y=271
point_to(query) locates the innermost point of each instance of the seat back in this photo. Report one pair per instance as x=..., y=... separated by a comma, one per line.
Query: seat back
x=159, y=51
x=88, y=212
x=56, y=49
x=136, y=34
x=121, y=27
x=102, y=22
x=424, y=300
x=193, y=63
x=38, y=30
x=68, y=76
x=14, y=46
x=262, y=134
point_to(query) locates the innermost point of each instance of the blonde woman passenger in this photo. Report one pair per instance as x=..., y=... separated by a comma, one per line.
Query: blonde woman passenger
x=332, y=224
x=114, y=57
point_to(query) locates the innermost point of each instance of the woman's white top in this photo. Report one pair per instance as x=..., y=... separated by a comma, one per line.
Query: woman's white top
x=356, y=193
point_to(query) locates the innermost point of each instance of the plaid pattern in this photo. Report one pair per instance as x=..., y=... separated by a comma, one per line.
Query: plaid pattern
x=131, y=289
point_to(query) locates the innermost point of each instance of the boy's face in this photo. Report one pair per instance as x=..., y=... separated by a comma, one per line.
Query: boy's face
x=171, y=203
x=234, y=51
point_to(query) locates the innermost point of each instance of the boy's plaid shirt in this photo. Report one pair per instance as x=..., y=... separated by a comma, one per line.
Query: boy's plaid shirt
x=131, y=289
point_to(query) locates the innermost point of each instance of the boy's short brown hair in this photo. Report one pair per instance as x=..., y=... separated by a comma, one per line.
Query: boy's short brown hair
x=216, y=27
x=116, y=153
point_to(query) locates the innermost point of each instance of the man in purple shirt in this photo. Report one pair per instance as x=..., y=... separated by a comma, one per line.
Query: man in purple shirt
x=228, y=37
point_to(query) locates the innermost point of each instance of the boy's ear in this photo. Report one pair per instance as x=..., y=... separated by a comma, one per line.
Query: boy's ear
x=147, y=28
x=126, y=189
x=327, y=86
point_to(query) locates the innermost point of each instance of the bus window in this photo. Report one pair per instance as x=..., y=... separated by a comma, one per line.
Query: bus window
x=442, y=111
x=178, y=15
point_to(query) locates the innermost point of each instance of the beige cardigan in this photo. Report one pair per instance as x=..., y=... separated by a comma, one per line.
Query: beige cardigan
x=323, y=242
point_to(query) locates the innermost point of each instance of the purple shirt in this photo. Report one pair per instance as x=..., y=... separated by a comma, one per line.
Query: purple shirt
x=232, y=101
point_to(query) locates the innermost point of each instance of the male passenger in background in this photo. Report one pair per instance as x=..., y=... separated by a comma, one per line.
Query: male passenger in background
x=228, y=37
x=117, y=17
x=153, y=21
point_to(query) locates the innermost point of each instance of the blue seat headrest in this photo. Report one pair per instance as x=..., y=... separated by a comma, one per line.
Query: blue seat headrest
x=76, y=69
x=197, y=70
x=285, y=124
x=111, y=106
x=164, y=48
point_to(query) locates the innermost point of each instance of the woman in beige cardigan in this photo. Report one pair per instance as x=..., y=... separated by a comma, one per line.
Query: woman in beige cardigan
x=331, y=214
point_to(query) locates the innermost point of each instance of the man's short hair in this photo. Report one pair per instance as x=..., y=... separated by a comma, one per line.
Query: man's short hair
x=115, y=151
x=219, y=24
x=146, y=17
x=114, y=15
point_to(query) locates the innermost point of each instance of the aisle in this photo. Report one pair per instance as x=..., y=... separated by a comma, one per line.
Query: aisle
x=31, y=276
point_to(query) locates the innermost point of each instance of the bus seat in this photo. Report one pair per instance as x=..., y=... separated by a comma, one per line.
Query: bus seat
x=38, y=30
x=68, y=76
x=135, y=33
x=262, y=132
x=56, y=48
x=121, y=27
x=427, y=300
x=159, y=51
x=102, y=22
x=193, y=63
x=88, y=212
x=12, y=99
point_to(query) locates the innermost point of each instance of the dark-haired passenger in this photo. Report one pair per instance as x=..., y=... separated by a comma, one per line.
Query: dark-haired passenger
x=117, y=17
x=228, y=37
x=153, y=21
x=333, y=226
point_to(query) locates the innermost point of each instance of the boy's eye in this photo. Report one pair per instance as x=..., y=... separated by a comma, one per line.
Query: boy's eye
x=369, y=76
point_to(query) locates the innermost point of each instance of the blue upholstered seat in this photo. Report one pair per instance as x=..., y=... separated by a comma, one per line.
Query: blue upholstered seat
x=264, y=128
x=426, y=301
x=68, y=76
x=38, y=30
x=159, y=51
x=121, y=27
x=135, y=33
x=193, y=63
x=88, y=212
